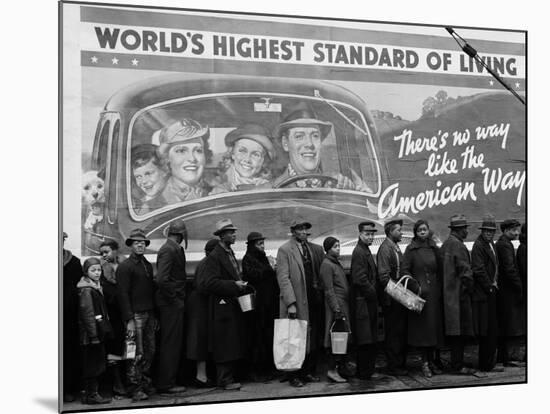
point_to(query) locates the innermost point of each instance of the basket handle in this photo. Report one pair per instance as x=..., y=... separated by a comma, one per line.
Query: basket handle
x=407, y=277
x=334, y=322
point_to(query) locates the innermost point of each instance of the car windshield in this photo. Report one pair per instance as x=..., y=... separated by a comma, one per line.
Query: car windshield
x=212, y=146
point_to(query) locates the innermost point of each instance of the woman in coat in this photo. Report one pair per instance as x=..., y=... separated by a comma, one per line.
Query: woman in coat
x=421, y=261
x=197, y=321
x=258, y=272
x=337, y=291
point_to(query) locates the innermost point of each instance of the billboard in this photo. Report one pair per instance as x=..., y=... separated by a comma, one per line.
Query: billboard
x=409, y=124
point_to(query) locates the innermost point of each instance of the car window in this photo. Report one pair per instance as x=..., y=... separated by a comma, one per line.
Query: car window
x=183, y=151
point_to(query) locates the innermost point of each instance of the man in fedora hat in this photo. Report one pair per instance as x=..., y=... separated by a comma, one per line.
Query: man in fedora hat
x=389, y=260
x=222, y=281
x=301, y=135
x=258, y=272
x=170, y=297
x=364, y=289
x=298, y=264
x=484, y=296
x=512, y=323
x=136, y=291
x=457, y=290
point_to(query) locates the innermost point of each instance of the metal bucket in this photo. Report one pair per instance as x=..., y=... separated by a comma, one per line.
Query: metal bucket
x=247, y=302
x=338, y=341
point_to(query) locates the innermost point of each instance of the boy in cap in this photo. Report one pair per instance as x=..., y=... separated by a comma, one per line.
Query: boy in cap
x=457, y=289
x=510, y=293
x=136, y=290
x=389, y=260
x=170, y=297
x=364, y=289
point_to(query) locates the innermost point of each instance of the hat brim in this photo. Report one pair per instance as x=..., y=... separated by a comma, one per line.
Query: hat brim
x=487, y=228
x=130, y=241
x=324, y=127
x=254, y=240
x=305, y=224
x=220, y=231
x=457, y=226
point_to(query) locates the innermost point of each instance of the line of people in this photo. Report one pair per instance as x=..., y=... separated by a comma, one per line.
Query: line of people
x=482, y=295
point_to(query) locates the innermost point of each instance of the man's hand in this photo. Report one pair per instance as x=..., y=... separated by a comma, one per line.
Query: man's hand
x=360, y=185
x=241, y=284
x=292, y=311
x=344, y=183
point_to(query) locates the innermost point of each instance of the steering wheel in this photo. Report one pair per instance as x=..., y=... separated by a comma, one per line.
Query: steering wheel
x=323, y=178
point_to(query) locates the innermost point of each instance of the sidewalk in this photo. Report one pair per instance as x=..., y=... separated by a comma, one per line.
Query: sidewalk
x=276, y=389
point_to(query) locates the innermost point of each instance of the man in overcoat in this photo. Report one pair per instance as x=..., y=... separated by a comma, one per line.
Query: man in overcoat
x=298, y=264
x=136, y=297
x=365, y=300
x=512, y=324
x=170, y=297
x=484, y=297
x=222, y=281
x=389, y=260
x=457, y=292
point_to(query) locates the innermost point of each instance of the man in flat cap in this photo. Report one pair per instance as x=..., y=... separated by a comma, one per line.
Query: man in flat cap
x=298, y=264
x=457, y=290
x=301, y=135
x=136, y=291
x=364, y=290
x=484, y=296
x=222, y=281
x=171, y=277
x=510, y=293
x=389, y=260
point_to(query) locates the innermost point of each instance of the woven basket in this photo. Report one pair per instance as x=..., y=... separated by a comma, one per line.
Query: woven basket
x=404, y=296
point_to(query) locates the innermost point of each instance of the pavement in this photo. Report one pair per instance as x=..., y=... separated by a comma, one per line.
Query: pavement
x=277, y=389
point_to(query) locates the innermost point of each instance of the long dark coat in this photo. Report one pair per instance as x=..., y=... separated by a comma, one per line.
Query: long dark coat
x=226, y=336
x=72, y=272
x=364, y=291
x=337, y=294
x=260, y=321
x=510, y=291
x=292, y=284
x=197, y=317
x=115, y=344
x=484, y=268
x=521, y=259
x=422, y=261
x=171, y=275
x=457, y=287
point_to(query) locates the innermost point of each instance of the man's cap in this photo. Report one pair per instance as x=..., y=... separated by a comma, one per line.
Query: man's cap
x=458, y=220
x=300, y=222
x=508, y=224
x=137, y=235
x=303, y=118
x=488, y=223
x=255, y=133
x=371, y=226
x=223, y=225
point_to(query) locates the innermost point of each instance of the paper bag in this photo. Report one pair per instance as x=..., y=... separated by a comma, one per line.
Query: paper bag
x=289, y=344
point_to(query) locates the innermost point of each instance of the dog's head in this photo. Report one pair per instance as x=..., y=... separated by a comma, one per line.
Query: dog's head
x=93, y=190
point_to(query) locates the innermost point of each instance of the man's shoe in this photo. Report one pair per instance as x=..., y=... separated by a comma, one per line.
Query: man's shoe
x=435, y=369
x=139, y=396
x=203, y=384
x=232, y=386
x=464, y=371
x=311, y=378
x=335, y=377
x=95, y=398
x=426, y=371
x=173, y=390
x=296, y=382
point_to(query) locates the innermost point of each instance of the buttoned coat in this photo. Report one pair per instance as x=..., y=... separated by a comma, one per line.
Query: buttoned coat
x=457, y=287
x=388, y=262
x=292, y=280
x=484, y=268
x=364, y=295
x=226, y=338
x=510, y=292
x=135, y=286
x=171, y=275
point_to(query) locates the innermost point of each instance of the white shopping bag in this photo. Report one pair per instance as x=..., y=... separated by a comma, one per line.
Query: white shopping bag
x=289, y=344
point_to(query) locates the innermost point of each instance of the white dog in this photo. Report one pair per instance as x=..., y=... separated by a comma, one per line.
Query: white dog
x=93, y=197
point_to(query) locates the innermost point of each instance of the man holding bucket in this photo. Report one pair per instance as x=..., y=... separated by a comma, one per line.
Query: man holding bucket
x=298, y=263
x=223, y=283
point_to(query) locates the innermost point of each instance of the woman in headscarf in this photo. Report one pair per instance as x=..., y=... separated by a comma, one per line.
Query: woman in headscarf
x=421, y=261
